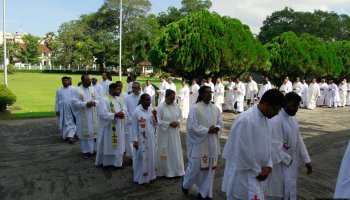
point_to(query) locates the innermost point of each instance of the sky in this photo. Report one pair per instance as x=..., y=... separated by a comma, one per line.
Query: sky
x=41, y=16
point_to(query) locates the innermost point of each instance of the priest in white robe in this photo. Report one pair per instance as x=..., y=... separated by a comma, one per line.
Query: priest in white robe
x=248, y=149
x=285, y=125
x=286, y=86
x=172, y=85
x=304, y=91
x=343, y=89
x=313, y=94
x=143, y=139
x=193, y=93
x=162, y=88
x=229, y=95
x=184, y=100
x=204, y=124
x=210, y=83
x=169, y=160
x=297, y=86
x=332, y=94
x=105, y=84
x=239, y=93
x=149, y=89
x=64, y=111
x=264, y=87
x=97, y=87
x=219, y=92
x=131, y=102
x=84, y=102
x=251, y=92
x=110, y=142
x=342, y=188
x=322, y=101
x=348, y=94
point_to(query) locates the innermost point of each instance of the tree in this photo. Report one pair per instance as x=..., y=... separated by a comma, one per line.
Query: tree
x=205, y=44
x=13, y=49
x=31, y=52
x=342, y=51
x=288, y=57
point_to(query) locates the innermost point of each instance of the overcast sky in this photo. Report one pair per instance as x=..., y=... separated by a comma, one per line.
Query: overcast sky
x=41, y=16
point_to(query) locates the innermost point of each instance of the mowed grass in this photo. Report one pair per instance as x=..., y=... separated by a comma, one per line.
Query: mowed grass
x=36, y=92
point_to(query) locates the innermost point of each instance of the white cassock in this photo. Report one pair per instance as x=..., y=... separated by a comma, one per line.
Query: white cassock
x=169, y=160
x=252, y=90
x=229, y=96
x=131, y=102
x=286, y=88
x=343, y=89
x=246, y=151
x=63, y=105
x=129, y=87
x=262, y=91
x=172, y=86
x=312, y=95
x=184, y=101
x=239, y=93
x=99, y=90
x=294, y=146
x=212, y=88
x=297, y=87
x=143, y=132
x=203, y=148
x=342, y=188
x=110, y=147
x=123, y=95
x=269, y=86
x=219, y=92
x=332, y=95
x=348, y=95
x=304, y=91
x=274, y=184
x=162, y=88
x=323, y=94
x=86, y=118
x=194, y=94
x=105, y=87
x=149, y=89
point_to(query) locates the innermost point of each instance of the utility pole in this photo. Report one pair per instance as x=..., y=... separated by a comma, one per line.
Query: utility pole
x=120, y=40
x=4, y=35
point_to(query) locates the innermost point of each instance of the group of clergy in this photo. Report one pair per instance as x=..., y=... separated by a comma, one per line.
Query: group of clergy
x=319, y=94
x=262, y=152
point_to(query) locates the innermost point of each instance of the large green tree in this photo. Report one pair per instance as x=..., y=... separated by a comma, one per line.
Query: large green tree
x=31, y=52
x=13, y=51
x=205, y=44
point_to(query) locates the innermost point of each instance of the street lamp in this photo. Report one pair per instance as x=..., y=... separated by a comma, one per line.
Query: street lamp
x=120, y=40
x=4, y=35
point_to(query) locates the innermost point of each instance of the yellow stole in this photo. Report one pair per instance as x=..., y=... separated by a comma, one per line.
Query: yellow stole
x=114, y=129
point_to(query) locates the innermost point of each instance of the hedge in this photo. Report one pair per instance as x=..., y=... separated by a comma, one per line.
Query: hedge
x=6, y=97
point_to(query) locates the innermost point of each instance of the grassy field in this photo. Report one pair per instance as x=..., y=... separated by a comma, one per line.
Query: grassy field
x=36, y=92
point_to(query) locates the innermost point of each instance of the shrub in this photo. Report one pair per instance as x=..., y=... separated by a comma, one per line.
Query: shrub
x=6, y=97
x=10, y=69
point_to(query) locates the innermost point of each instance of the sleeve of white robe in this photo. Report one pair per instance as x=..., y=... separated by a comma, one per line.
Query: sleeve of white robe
x=76, y=103
x=303, y=151
x=198, y=132
x=242, y=147
x=277, y=153
x=134, y=128
x=104, y=114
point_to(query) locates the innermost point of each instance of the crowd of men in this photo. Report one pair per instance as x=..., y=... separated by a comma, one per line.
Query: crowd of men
x=262, y=151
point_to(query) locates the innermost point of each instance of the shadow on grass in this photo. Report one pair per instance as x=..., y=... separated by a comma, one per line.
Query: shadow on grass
x=28, y=115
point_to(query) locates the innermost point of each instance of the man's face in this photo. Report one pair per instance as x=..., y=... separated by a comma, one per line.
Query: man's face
x=136, y=90
x=86, y=81
x=271, y=110
x=146, y=102
x=218, y=80
x=65, y=82
x=183, y=84
x=119, y=89
x=193, y=82
x=93, y=81
x=104, y=76
x=170, y=81
x=148, y=83
x=161, y=79
x=170, y=99
x=209, y=80
x=207, y=95
x=291, y=108
x=237, y=81
x=70, y=81
x=250, y=78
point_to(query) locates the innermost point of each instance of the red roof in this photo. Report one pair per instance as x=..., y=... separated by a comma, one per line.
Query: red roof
x=43, y=48
x=145, y=63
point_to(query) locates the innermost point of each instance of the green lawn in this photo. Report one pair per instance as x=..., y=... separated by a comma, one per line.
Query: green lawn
x=36, y=91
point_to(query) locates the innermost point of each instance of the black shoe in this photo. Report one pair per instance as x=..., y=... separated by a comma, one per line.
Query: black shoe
x=199, y=197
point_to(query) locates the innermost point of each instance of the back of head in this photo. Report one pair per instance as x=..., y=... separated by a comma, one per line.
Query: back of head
x=292, y=96
x=274, y=97
x=169, y=92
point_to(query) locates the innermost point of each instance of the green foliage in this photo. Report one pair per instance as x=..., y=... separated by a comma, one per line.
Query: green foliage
x=6, y=97
x=31, y=52
x=205, y=44
x=322, y=24
x=10, y=69
x=13, y=49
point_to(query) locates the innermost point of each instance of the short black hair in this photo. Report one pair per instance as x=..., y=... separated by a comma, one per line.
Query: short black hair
x=82, y=76
x=143, y=97
x=112, y=86
x=65, y=77
x=292, y=96
x=274, y=97
x=201, y=92
x=168, y=92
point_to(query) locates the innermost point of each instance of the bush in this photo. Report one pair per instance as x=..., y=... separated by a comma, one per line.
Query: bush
x=6, y=97
x=10, y=69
